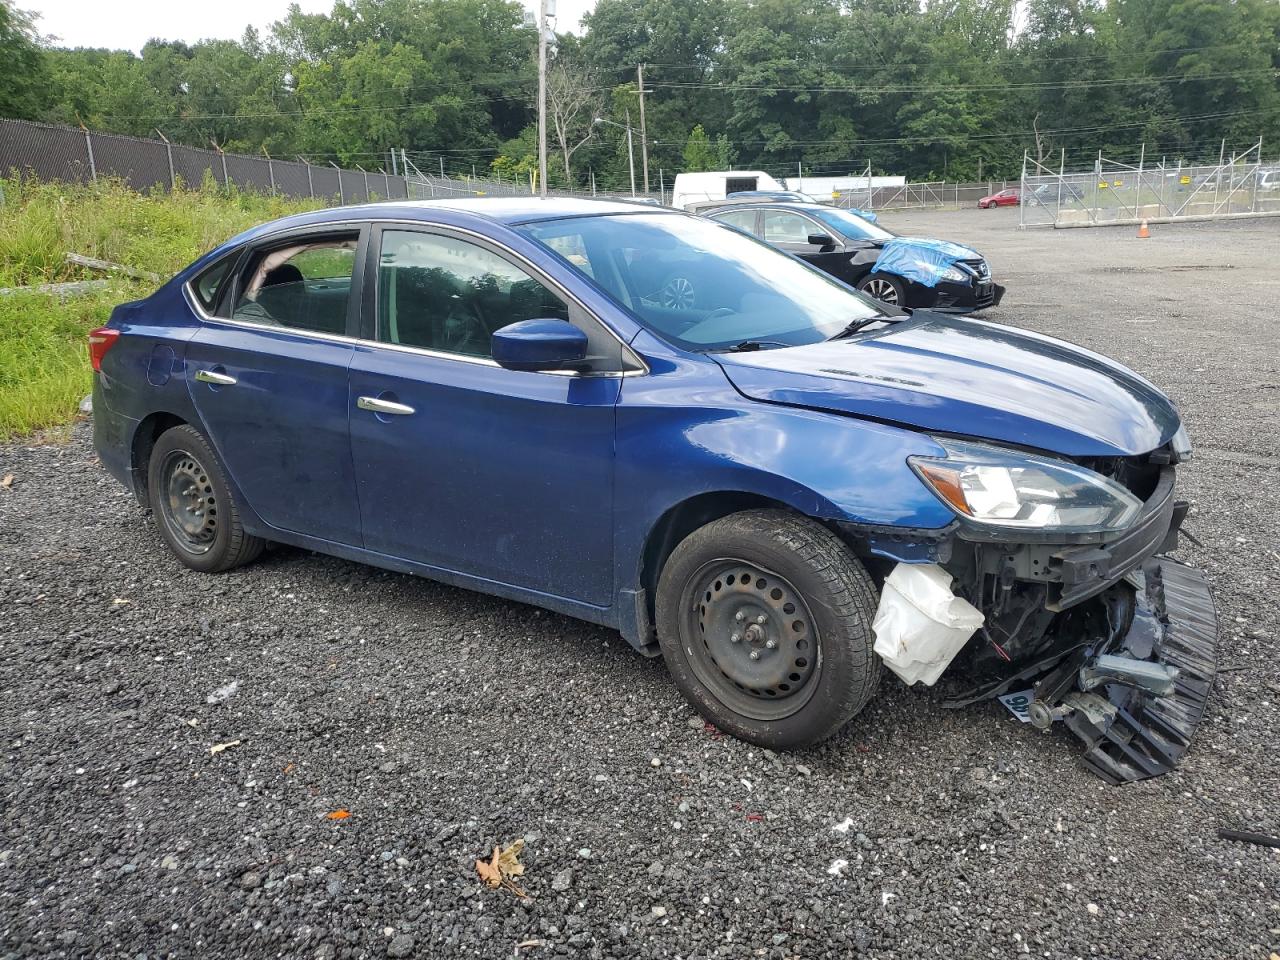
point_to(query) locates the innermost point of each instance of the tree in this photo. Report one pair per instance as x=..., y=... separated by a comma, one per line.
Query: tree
x=573, y=101
x=22, y=65
x=699, y=154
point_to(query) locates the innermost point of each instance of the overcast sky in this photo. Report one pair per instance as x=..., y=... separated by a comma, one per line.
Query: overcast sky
x=128, y=24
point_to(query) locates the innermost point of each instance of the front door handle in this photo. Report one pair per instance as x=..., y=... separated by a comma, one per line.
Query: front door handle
x=378, y=405
x=212, y=376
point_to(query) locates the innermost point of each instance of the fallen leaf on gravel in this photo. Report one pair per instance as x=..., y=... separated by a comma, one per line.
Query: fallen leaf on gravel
x=502, y=866
x=290, y=768
x=7, y=482
x=754, y=817
x=120, y=601
x=509, y=860
x=525, y=944
x=488, y=870
x=219, y=747
x=338, y=815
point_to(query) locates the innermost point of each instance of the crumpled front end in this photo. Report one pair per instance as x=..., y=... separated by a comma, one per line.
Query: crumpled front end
x=1128, y=671
x=1115, y=640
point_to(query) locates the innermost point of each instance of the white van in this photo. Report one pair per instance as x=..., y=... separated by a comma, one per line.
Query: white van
x=701, y=187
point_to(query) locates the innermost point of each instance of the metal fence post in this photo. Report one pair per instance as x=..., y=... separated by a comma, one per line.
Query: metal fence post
x=271, y=170
x=366, y=182
x=225, y=182
x=311, y=190
x=88, y=146
x=1022, y=194
x=168, y=149
x=342, y=197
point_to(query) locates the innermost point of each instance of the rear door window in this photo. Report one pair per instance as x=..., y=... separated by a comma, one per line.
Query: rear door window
x=742, y=219
x=209, y=284
x=304, y=285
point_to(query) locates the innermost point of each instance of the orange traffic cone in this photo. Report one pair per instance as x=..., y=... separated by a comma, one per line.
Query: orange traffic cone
x=1143, y=232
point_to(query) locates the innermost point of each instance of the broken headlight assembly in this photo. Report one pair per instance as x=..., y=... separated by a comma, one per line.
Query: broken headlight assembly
x=1002, y=488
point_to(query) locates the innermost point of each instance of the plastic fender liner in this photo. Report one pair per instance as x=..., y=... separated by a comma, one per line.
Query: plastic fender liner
x=1146, y=735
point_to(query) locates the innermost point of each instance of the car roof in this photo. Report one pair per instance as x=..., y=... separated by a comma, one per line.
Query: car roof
x=462, y=211
x=760, y=203
x=472, y=212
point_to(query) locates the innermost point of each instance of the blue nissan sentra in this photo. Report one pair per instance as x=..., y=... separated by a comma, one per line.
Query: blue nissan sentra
x=778, y=484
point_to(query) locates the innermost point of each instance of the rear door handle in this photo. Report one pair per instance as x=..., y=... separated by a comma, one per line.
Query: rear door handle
x=378, y=405
x=212, y=376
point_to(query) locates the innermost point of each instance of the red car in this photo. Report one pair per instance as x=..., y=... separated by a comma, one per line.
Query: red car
x=1005, y=198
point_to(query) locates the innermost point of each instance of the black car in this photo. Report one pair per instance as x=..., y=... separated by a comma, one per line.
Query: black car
x=847, y=247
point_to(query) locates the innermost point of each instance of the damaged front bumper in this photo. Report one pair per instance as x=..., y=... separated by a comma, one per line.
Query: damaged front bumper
x=1135, y=695
x=1118, y=641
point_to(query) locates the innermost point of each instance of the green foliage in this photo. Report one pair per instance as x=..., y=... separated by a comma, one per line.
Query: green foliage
x=925, y=88
x=699, y=154
x=43, y=368
x=22, y=65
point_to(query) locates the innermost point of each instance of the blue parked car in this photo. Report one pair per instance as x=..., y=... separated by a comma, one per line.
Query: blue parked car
x=773, y=483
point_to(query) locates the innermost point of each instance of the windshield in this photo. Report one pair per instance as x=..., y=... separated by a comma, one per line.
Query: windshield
x=850, y=224
x=701, y=285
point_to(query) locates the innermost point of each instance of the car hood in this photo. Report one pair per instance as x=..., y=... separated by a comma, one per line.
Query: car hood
x=970, y=378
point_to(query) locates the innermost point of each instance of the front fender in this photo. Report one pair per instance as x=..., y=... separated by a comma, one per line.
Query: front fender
x=684, y=432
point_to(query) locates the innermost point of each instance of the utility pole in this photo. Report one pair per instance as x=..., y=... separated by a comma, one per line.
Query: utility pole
x=545, y=9
x=631, y=154
x=644, y=136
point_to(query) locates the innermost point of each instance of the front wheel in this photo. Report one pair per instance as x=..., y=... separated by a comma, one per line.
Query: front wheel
x=885, y=288
x=764, y=619
x=192, y=503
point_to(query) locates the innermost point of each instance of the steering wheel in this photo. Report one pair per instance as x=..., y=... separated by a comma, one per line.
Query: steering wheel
x=462, y=325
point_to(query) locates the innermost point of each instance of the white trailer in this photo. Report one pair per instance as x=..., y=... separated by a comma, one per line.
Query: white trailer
x=716, y=185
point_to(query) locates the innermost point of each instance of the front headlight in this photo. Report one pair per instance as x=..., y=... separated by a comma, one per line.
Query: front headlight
x=1004, y=488
x=1181, y=444
x=955, y=274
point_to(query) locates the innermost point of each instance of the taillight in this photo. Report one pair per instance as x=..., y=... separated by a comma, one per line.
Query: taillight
x=100, y=341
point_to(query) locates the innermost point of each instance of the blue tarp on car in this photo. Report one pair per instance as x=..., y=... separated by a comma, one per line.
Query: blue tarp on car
x=920, y=259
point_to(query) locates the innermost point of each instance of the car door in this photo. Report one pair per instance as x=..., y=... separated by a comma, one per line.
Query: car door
x=267, y=373
x=461, y=464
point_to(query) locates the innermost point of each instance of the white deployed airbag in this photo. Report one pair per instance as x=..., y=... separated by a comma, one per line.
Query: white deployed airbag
x=920, y=624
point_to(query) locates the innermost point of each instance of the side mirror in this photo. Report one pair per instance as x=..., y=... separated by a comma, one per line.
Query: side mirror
x=539, y=345
x=821, y=240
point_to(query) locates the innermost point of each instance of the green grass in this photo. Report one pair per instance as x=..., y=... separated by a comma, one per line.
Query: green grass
x=44, y=367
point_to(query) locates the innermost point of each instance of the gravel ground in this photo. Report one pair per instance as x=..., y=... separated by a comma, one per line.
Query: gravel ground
x=445, y=721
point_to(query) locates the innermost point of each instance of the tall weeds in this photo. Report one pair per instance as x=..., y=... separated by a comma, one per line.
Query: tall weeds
x=44, y=368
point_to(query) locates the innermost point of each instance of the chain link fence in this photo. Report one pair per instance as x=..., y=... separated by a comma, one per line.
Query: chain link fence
x=72, y=155
x=1238, y=185
x=919, y=196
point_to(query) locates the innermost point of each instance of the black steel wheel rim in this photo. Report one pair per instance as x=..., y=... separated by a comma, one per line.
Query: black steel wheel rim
x=187, y=502
x=882, y=290
x=750, y=639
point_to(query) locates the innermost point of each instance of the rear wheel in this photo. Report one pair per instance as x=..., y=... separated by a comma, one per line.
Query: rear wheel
x=764, y=619
x=885, y=288
x=193, y=506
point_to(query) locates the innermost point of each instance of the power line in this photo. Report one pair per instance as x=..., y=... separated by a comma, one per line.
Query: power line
x=961, y=88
